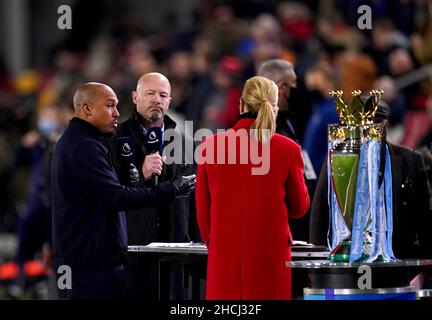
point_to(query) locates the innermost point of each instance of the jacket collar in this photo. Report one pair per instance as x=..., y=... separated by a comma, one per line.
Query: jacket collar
x=245, y=121
x=85, y=127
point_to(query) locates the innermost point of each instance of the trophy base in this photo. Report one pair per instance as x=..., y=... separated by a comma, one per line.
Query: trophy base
x=342, y=253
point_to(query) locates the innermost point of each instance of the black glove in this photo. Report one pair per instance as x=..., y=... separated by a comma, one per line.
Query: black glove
x=133, y=175
x=184, y=185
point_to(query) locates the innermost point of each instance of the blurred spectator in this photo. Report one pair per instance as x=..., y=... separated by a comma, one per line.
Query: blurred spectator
x=296, y=20
x=202, y=55
x=203, y=52
x=357, y=72
x=421, y=40
x=6, y=197
x=426, y=139
x=400, y=62
x=179, y=71
x=35, y=151
x=225, y=29
x=221, y=108
x=264, y=42
x=139, y=58
x=335, y=35
x=319, y=81
x=395, y=99
x=99, y=59
x=384, y=39
x=264, y=29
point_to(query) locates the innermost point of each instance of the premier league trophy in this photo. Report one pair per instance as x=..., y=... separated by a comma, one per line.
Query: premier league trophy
x=360, y=202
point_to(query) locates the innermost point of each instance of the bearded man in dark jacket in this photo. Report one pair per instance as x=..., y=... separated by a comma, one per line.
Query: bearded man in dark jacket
x=170, y=222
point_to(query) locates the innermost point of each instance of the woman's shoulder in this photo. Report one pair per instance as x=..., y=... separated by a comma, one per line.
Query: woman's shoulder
x=284, y=141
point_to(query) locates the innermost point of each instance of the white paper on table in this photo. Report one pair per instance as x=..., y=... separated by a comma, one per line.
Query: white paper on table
x=301, y=243
x=175, y=245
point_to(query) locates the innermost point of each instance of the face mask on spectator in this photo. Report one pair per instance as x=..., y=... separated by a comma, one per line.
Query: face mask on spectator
x=46, y=126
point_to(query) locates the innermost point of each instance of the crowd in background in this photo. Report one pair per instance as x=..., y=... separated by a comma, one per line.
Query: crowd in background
x=207, y=65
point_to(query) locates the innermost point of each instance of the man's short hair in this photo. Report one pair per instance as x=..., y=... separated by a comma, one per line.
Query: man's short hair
x=275, y=69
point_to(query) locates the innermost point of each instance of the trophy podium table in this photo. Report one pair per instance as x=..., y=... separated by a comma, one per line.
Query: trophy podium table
x=344, y=281
x=194, y=256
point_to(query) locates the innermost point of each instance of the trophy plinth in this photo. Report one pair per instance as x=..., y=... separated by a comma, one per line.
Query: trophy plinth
x=342, y=252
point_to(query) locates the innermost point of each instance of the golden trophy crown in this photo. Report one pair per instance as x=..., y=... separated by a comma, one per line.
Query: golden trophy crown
x=356, y=112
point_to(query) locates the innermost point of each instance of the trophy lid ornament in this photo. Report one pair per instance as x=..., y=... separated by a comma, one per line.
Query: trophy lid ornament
x=356, y=112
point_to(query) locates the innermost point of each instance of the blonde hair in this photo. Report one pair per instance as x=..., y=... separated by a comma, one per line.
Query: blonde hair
x=260, y=96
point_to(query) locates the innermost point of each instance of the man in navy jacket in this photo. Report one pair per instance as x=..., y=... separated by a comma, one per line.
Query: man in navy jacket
x=89, y=229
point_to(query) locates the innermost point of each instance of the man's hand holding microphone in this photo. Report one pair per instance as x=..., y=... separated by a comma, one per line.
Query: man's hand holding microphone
x=153, y=164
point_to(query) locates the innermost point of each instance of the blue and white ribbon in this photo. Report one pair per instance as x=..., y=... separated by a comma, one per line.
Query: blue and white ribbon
x=361, y=206
x=387, y=205
x=373, y=210
x=382, y=217
x=376, y=221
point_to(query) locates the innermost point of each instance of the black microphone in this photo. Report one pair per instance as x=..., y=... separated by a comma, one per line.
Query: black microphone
x=154, y=144
x=129, y=174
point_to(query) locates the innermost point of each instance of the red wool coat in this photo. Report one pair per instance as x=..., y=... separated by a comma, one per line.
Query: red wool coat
x=243, y=218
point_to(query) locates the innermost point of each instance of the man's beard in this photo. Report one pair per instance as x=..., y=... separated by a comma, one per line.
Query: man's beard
x=155, y=116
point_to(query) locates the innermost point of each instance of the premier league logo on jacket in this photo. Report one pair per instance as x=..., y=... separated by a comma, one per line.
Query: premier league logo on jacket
x=126, y=150
x=152, y=137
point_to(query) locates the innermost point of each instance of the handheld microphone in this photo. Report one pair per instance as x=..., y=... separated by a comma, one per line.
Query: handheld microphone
x=129, y=174
x=154, y=143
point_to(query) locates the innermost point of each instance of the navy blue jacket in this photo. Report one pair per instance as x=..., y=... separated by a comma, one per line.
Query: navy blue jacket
x=171, y=222
x=87, y=199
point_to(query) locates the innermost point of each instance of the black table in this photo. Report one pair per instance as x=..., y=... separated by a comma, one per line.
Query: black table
x=194, y=256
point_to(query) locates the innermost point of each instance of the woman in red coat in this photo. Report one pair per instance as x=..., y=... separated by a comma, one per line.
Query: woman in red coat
x=243, y=204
